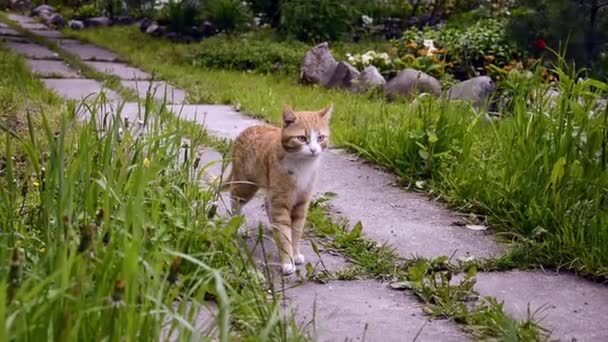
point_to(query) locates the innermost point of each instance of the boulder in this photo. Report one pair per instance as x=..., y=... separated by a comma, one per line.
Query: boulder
x=343, y=76
x=122, y=20
x=98, y=22
x=155, y=30
x=20, y=5
x=369, y=79
x=476, y=91
x=409, y=81
x=76, y=24
x=42, y=8
x=318, y=65
x=144, y=24
x=56, y=20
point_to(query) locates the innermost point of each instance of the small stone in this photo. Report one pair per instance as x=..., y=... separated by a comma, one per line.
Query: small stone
x=410, y=81
x=476, y=91
x=343, y=76
x=318, y=66
x=42, y=8
x=76, y=24
x=369, y=79
x=56, y=20
x=98, y=22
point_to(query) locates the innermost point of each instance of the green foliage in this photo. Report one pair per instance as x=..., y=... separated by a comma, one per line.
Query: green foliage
x=380, y=10
x=249, y=54
x=182, y=16
x=316, y=20
x=270, y=11
x=469, y=49
x=227, y=15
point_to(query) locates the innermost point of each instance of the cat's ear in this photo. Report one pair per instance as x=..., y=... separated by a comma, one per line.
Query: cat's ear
x=325, y=113
x=289, y=116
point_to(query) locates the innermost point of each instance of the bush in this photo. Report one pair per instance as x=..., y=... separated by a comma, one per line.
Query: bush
x=227, y=15
x=249, y=54
x=470, y=50
x=181, y=16
x=269, y=10
x=316, y=20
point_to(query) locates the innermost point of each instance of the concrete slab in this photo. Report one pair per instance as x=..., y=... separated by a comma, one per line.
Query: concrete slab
x=78, y=89
x=21, y=19
x=88, y=52
x=15, y=39
x=7, y=31
x=47, y=33
x=32, y=50
x=408, y=221
x=35, y=26
x=56, y=69
x=65, y=41
x=159, y=89
x=365, y=311
x=3, y=25
x=120, y=70
x=574, y=309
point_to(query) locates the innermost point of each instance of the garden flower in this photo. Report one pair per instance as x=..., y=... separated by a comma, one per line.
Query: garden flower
x=540, y=44
x=430, y=46
x=146, y=162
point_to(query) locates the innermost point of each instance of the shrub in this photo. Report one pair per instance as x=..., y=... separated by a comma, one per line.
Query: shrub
x=269, y=10
x=316, y=20
x=227, y=15
x=250, y=54
x=181, y=16
x=470, y=50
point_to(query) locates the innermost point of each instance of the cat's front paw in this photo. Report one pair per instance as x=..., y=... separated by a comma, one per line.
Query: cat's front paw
x=299, y=259
x=288, y=269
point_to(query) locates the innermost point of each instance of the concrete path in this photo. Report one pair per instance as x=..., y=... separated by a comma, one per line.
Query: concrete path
x=575, y=308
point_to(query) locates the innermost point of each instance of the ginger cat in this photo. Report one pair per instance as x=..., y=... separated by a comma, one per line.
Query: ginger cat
x=284, y=162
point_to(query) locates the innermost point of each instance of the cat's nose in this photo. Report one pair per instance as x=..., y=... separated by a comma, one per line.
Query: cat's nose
x=313, y=150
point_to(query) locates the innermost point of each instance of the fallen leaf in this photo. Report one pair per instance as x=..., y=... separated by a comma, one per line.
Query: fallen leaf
x=401, y=285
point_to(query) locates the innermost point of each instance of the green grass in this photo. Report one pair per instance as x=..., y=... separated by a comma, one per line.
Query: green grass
x=109, y=236
x=538, y=175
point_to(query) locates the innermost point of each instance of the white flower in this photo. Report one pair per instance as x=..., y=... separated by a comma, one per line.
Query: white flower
x=430, y=45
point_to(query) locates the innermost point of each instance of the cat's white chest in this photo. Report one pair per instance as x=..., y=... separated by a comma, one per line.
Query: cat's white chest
x=303, y=171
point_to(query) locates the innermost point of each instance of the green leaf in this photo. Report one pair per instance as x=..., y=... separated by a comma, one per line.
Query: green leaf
x=432, y=137
x=356, y=232
x=423, y=154
x=558, y=170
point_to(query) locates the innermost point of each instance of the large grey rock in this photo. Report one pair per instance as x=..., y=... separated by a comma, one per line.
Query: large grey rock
x=155, y=30
x=98, y=22
x=20, y=5
x=318, y=65
x=76, y=24
x=42, y=8
x=369, y=79
x=476, y=91
x=343, y=76
x=410, y=81
x=56, y=20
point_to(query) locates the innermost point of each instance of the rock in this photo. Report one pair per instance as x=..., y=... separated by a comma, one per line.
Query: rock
x=42, y=8
x=98, y=22
x=476, y=91
x=410, y=81
x=144, y=24
x=369, y=79
x=343, y=76
x=207, y=29
x=123, y=20
x=20, y=5
x=76, y=24
x=318, y=65
x=155, y=30
x=56, y=20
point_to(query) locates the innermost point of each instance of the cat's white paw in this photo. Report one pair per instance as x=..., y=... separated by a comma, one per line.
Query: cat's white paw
x=288, y=269
x=299, y=259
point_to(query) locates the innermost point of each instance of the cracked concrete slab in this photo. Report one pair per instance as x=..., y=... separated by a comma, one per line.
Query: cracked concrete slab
x=365, y=310
x=35, y=26
x=65, y=41
x=15, y=39
x=47, y=33
x=32, y=50
x=7, y=31
x=88, y=52
x=78, y=89
x=120, y=70
x=49, y=68
x=21, y=19
x=409, y=222
x=159, y=89
x=573, y=308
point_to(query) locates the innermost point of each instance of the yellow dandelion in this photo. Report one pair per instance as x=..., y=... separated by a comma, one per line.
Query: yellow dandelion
x=146, y=162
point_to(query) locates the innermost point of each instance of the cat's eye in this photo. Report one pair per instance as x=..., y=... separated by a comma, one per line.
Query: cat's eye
x=321, y=138
x=302, y=138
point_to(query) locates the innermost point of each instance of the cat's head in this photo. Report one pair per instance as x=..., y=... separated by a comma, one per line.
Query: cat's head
x=306, y=134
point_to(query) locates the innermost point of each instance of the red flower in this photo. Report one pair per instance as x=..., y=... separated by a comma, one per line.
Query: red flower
x=540, y=44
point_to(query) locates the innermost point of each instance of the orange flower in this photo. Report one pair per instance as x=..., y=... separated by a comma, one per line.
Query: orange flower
x=423, y=52
x=408, y=58
x=489, y=58
x=411, y=45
